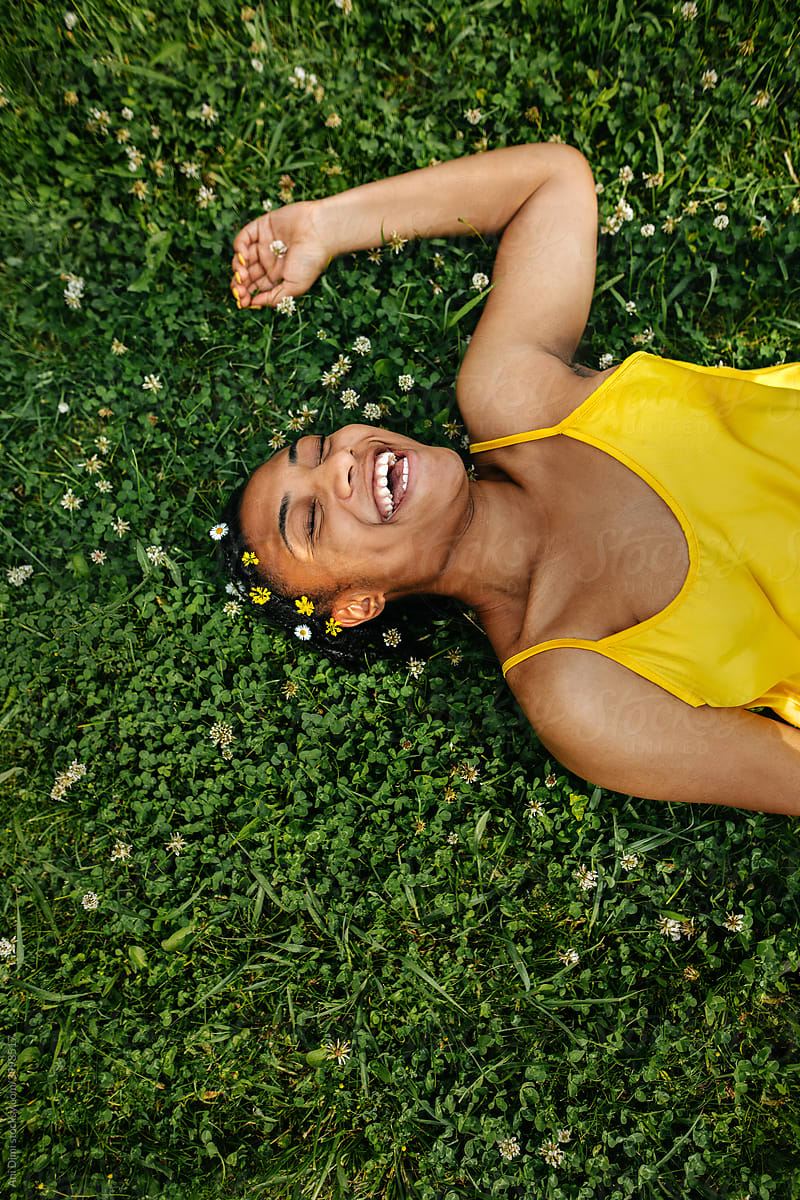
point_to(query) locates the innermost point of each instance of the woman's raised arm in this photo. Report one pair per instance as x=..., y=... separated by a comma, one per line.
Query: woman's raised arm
x=281, y=253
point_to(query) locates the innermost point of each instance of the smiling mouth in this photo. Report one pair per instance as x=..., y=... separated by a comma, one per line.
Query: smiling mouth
x=389, y=482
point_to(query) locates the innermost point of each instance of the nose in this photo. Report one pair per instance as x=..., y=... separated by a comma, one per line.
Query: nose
x=338, y=473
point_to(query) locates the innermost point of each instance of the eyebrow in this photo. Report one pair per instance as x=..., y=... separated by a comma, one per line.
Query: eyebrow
x=282, y=522
x=284, y=509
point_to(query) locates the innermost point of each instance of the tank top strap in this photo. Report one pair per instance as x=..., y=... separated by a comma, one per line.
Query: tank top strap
x=553, y=644
x=514, y=439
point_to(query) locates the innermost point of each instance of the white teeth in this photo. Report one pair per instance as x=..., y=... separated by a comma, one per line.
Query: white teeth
x=383, y=496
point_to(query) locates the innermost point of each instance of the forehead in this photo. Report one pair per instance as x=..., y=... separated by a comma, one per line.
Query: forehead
x=260, y=511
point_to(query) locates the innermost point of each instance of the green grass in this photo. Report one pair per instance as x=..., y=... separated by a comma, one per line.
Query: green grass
x=365, y=865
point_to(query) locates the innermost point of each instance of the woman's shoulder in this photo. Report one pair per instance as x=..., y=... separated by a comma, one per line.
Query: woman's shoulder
x=526, y=389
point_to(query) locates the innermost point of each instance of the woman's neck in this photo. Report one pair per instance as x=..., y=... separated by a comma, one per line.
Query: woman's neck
x=493, y=562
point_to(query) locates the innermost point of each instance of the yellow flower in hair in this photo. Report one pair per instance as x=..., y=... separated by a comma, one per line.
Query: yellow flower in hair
x=249, y=559
x=260, y=595
x=304, y=605
x=333, y=627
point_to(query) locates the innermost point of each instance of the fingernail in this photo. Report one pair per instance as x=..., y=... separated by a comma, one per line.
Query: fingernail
x=240, y=258
x=238, y=302
x=238, y=277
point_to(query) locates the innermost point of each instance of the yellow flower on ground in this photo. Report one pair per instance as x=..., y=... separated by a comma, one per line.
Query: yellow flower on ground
x=305, y=606
x=249, y=559
x=333, y=627
x=259, y=595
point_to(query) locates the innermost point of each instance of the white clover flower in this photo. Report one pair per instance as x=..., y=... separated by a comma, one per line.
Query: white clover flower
x=152, y=383
x=73, y=773
x=70, y=501
x=157, y=555
x=689, y=10
x=135, y=158
x=734, y=922
x=405, y=382
x=89, y=901
x=647, y=231
x=231, y=608
x=586, y=879
x=74, y=290
x=221, y=734
x=480, y=281
x=625, y=175
x=630, y=307
x=349, y=398
x=120, y=527
x=127, y=113
x=392, y=637
x=709, y=79
x=190, y=169
x=550, y=781
x=509, y=1148
x=415, y=667
x=278, y=247
x=155, y=132
x=70, y=19
x=669, y=928
x=333, y=121
x=257, y=65
x=98, y=556
x=175, y=844
x=205, y=196
x=372, y=412
x=345, y=5
x=720, y=222
x=569, y=957
x=606, y=360
x=629, y=862
x=208, y=115
x=118, y=347
x=761, y=100
x=121, y=851
x=19, y=575
x=453, y=839
x=104, y=485
x=7, y=947
x=277, y=440
x=286, y=306
x=302, y=632
x=552, y=1153
x=644, y=338
x=534, y=808
x=473, y=115
x=624, y=211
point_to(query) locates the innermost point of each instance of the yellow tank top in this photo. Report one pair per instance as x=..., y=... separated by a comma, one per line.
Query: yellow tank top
x=721, y=448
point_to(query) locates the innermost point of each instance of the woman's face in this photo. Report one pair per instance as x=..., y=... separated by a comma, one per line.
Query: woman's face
x=362, y=506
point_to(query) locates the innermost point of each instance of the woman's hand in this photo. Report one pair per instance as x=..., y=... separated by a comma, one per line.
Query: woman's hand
x=279, y=254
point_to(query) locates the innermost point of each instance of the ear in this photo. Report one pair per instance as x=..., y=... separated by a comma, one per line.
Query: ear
x=353, y=608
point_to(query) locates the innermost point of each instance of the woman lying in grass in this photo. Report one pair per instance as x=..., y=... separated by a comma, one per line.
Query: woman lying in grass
x=631, y=543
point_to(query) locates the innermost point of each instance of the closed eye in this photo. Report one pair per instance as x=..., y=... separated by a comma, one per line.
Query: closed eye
x=312, y=514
